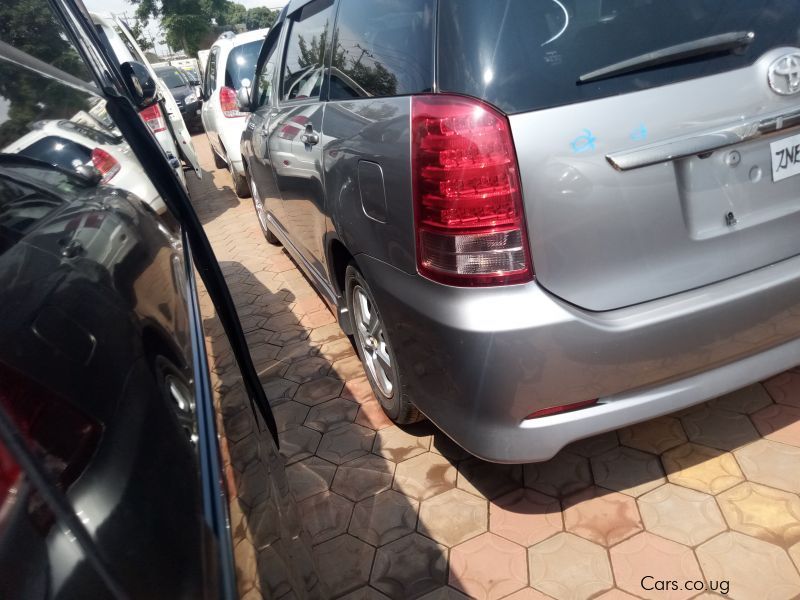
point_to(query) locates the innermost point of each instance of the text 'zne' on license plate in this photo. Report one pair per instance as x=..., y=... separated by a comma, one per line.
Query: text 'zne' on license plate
x=785, y=157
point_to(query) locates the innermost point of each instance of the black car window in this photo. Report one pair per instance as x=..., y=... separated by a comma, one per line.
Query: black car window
x=242, y=63
x=382, y=48
x=522, y=55
x=305, y=51
x=172, y=77
x=59, y=151
x=27, y=27
x=211, y=71
x=266, y=77
x=21, y=208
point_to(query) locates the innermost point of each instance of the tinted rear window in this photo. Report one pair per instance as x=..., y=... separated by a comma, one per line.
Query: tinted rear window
x=522, y=55
x=383, y=48
x=59, y=151
x=242, y=63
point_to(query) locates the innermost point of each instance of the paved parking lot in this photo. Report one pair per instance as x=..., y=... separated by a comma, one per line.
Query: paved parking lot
x=709, y=494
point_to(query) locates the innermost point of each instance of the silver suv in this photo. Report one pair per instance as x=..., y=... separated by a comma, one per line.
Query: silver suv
x=540, y=220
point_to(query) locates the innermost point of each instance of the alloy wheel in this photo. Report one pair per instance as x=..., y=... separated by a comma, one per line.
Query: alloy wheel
x=372, y=342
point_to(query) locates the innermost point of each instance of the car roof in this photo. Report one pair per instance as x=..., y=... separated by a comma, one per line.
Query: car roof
x=241, y=38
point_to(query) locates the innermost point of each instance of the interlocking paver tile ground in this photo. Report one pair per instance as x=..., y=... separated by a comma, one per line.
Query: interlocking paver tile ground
x=363, y=509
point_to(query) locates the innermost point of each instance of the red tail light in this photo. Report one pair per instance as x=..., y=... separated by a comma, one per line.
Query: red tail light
x=470, y=224
x=228, y=104
x=61, y=436
x=154, y=118
x=9, y=476
x=105, y=163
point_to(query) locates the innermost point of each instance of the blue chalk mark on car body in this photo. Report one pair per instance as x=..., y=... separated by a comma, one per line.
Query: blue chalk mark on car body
x=640, y=133
x=584, y=142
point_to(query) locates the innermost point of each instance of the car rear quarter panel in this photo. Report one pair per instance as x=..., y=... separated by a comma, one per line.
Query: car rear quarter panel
x=378, y=131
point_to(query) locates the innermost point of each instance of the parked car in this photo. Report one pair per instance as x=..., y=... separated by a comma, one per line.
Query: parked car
x=192, y=72
x=183, y=92
x=231, y=61
x=163, y=116
x=582, y=227
x=188, y=67
x=72, y=145
x=110, y=471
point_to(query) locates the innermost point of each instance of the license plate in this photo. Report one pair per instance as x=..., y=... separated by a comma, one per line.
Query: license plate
x=785, y=157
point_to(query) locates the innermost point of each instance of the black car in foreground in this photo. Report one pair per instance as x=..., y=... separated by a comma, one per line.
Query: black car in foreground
x=110, y=472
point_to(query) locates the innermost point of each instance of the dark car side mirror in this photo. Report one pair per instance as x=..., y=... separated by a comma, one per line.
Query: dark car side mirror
x=140, y=84
x=243, y=96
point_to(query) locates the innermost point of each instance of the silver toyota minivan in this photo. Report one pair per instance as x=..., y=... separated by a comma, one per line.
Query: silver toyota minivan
x=539, y=220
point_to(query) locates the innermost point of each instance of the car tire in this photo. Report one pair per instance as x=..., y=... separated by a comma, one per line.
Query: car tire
x=240, y=185
x=261, y=214
x=271, y=238
x=219, y=162
x=375, y=351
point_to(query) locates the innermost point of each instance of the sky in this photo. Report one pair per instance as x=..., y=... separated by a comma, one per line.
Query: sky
x=122, y=7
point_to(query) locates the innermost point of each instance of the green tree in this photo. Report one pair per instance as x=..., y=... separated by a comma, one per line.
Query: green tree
x=232, y=14
x=313, y=53
x=141, y=37
x=260, y=17
x=187, y=23
x=30, y=27
x=366, y=71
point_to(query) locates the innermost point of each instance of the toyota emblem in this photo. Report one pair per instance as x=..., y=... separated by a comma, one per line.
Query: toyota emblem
x=784, y=74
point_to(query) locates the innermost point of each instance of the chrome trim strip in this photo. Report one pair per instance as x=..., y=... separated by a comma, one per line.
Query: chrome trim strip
x=705, y=141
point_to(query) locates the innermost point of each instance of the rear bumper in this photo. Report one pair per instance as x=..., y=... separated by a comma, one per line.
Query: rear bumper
x=230, y=135
x=478, y=361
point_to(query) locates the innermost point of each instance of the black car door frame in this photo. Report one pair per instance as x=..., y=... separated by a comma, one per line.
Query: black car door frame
x=147, y=151
x=199, y=252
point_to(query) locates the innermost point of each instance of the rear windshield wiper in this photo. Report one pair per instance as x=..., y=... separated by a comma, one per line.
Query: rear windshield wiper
x=722, y=42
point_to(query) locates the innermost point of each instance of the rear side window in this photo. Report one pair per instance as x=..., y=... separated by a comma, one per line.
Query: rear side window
x=305, y=52
x=211, y=71
x=522, y=55
x=267, y=75
x=383, y=48
x=242, y=63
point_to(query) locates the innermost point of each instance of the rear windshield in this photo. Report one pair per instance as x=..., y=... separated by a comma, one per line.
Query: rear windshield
x=172, y=77
x=524, y=55
x=242, y=63
x=59, y=151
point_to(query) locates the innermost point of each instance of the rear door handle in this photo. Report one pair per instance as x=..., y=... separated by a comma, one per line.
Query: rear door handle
x=310, y=137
